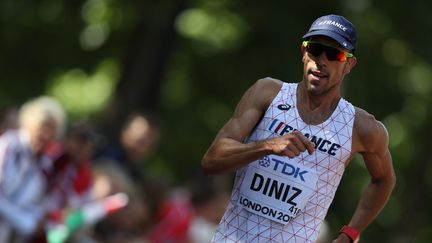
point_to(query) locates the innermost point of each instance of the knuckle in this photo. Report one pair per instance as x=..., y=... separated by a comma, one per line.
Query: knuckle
x=296, y=132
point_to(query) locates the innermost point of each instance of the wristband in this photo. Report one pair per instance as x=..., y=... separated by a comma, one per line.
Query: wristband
x=352, y=233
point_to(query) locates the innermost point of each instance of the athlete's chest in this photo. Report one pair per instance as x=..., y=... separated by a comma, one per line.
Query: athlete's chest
x=315, y=116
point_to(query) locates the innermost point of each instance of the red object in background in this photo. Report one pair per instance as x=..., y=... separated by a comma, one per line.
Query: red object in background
x=83, y=180
x=80, y=181
x=173, y=222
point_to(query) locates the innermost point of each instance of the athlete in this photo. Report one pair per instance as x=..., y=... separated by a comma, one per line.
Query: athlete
x=289, y=144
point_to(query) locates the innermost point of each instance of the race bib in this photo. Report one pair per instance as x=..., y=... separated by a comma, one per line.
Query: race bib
x=277, y=189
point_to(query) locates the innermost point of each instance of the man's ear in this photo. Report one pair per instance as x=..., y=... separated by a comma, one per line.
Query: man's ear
x=351, y=62
x=302, y=49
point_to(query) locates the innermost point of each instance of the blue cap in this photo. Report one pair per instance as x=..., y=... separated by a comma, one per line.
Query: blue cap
x=336, y=27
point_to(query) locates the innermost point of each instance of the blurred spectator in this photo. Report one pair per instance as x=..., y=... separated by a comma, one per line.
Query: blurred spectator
x=118, y=169
x=23, y=169
x=171, y=210
x=209, y=197
x=71, y=179
x=8, y=117
x=137, y=142
x=72, y=171
x=127, y=225
x=188, y=214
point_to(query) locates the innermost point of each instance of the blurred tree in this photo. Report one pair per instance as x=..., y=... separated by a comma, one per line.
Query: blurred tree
x=150, y=48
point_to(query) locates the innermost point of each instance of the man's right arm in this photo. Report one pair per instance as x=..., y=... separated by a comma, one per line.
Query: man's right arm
x=228, y=152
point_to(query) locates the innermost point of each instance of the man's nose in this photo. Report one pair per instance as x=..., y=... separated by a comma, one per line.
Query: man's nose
x=321, y=59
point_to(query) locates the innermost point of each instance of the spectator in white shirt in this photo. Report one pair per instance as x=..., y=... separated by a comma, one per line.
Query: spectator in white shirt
x=24, y=169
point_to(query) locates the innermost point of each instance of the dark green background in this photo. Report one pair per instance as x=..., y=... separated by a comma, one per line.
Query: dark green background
x=188, y=62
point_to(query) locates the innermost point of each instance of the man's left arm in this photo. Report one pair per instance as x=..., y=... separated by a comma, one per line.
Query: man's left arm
x=378, y=162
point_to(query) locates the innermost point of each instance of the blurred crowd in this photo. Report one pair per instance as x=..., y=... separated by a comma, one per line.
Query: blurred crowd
x=63, y=181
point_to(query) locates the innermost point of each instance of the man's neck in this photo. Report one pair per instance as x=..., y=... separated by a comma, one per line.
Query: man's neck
x=315, y=109
x=325, y=100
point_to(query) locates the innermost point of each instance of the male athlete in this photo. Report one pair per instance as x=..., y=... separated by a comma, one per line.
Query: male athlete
x=290, y=144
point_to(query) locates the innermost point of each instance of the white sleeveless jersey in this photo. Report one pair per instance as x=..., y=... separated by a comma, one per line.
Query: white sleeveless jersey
x=277, y=199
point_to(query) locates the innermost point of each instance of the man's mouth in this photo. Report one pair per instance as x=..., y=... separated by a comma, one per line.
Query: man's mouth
x=319, y=74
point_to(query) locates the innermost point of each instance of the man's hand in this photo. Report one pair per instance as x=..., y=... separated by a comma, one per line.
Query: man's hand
x=291, y=145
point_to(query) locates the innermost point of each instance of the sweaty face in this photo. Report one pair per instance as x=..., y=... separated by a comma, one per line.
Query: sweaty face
x=321, y=74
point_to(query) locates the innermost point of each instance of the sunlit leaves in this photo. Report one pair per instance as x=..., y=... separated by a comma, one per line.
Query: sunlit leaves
x=95, y=11
x=96, y=14
x=93, y=36
x=415, y=79
x=212, y=30
x=83, y=94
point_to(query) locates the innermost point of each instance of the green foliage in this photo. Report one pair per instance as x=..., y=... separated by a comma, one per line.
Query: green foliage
x=81, y=94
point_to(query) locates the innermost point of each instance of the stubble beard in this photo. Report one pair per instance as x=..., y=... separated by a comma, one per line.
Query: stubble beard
x=320, y=90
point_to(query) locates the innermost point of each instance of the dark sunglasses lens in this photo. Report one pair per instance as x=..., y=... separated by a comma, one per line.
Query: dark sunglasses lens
x=315, y=49
x=332, y=53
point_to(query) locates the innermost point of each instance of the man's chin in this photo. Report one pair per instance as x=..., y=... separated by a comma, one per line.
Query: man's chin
x=314, y=90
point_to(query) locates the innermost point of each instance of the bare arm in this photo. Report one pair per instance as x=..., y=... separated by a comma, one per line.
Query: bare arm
x=372, y=139
x=228, y=152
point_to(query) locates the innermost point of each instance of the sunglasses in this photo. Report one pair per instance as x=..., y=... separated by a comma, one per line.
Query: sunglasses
x=332, y=53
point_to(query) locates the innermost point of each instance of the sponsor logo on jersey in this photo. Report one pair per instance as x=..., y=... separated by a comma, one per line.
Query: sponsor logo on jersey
x=284, y=107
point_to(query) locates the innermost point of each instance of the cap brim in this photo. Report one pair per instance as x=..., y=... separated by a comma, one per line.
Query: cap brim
x=335, y=36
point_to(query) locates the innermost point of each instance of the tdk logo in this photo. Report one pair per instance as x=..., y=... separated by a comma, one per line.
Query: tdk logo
x=284, y=107
x=289, y=170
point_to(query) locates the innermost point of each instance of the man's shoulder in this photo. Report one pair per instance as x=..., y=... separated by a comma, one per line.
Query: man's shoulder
x=268, y=85
x=274, y=81
x=362, y=114
x=268, y=81
x=264, y=89
x=367, y=128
